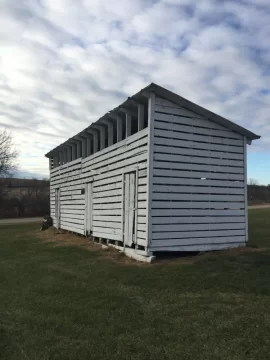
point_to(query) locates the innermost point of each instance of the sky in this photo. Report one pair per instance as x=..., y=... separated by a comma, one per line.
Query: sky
x=65, y=63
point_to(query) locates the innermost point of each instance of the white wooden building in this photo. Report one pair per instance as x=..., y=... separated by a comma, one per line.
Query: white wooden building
x=157, y=173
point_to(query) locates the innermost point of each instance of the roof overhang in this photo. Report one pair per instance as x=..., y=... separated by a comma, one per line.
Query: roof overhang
x=129, y=106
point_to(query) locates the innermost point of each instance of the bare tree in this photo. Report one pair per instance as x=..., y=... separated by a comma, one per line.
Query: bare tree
x=252, y=181
x=8, y=154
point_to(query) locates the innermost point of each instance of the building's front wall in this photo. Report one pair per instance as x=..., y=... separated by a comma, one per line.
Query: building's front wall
x=198, y=199
x=104, y=170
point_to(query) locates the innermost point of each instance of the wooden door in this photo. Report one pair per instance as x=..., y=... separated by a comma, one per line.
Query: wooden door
x=129, y=225
x=88, y=209
x=57, y=209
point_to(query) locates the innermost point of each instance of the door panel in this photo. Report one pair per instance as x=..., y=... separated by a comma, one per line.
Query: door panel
x=129, y=207
x=57, y=209
x=88, y=209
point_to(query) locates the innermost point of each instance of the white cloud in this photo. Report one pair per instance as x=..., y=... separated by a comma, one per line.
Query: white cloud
x=65, y=63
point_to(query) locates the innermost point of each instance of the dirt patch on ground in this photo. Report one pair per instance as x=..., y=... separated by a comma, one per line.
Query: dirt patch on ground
x=64, y=238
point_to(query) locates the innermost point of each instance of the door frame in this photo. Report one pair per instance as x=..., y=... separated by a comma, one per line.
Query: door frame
x=88, y=211
x=58, y=207
x=135, y=170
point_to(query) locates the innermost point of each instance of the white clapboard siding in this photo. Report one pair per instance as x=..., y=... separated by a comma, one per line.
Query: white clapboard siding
x=198, y=160
x=194, y=227
x=177, y=173
x=190, y=128
x=165, y=141
x=196, y=234
x=165, y=220
x=104, y=170
x=161, y=149
x=198, y=191
x=197, y=241
x=198, y=182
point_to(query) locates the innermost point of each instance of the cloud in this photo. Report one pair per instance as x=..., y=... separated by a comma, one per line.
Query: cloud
x=65, y=63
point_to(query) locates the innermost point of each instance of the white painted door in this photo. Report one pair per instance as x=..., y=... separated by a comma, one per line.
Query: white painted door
x=129, y=225
x=88, y=209
x=57, y=209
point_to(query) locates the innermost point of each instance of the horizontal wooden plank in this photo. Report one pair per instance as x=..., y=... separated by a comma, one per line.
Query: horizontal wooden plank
x=72, y=207
x=161, y=228
x=110, y=207
x=122, y=153
x=73, y=225
x=141, y=228
x=72, y=202
x=121, y=144
x=107, y=200
x=72, y=220
x=141, y=234
x=197, y=197
x=66, y=197
x=170, y=114
x=73, y=211
x=206, y=161
x=70, y=164
x=180, y=111
x=197, y=234
x=198, y=244
x=197, y=182
x=107, y=230
x=107, y=224
x=199, y=138
x=72, y=216
x=105, y=212
x=196, y=205
x=178, y=173
x=195, y=152
x=190, y=129
x=72, y=228
x=139, y=156
x=198, y=145
x=111, y=186
x=171, y=219
x=106, y=181
x=197, y=189
x=197, y=167
x=112, y=218
x=105, y=235
x=107, y=194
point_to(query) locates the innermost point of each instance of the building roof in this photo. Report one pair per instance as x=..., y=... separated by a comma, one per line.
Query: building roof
x=131, y=102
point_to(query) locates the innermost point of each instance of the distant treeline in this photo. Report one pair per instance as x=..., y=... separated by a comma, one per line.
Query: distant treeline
x=24, y=198
x=258, y=194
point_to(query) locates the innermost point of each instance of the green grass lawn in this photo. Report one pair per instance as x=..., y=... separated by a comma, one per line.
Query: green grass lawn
x=66, y=302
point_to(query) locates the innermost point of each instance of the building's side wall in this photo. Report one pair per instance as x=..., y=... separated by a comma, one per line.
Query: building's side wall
x=105, y=168
x=198, y=199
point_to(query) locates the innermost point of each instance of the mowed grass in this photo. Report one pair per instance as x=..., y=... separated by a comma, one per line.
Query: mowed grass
x=66, y=302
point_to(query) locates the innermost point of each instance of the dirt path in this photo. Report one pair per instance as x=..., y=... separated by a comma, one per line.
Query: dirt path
x=259, y=206
x=20, y=220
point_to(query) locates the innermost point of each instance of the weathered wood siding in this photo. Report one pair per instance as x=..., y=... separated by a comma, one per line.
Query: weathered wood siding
x=198, y=186
x=105, y=168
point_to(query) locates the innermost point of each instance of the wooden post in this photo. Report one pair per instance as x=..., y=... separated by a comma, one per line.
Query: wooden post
x=84, y=148
x=95, y=141
x=128, y=125
x=151, y=127
x=140, y=117
x=69, y=153
x=79, y=149
x=74, y=151
x=110, y=133
x=119, y=128
x=245, y=184
x=88, y=146
x=102, y=137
